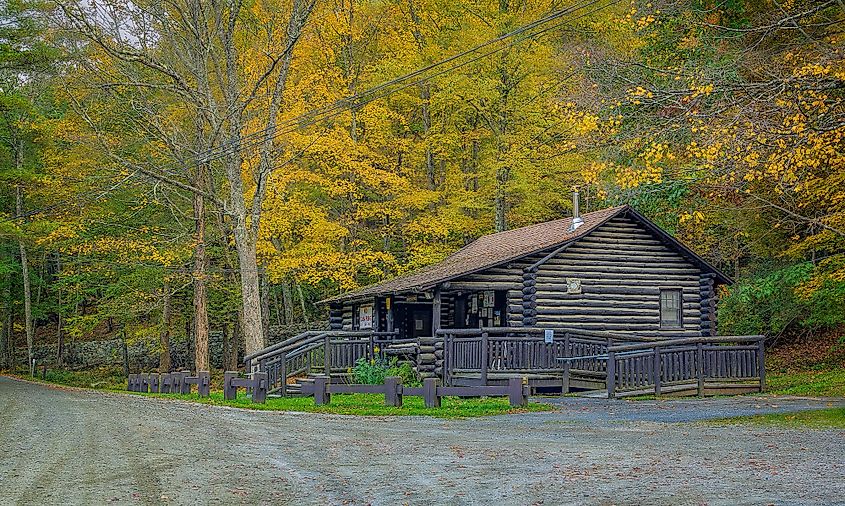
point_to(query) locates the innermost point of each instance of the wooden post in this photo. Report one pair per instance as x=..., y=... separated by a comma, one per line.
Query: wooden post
x=186, y=387
x=164, y=383
x=283, y=372
x=432, y=400
x=204, y=383
x=321, y=390
x=567, y=365
x=327, y=366
x=516, y=393
x=259, y=387
x=447, y=359
x=699, y=364
x=485, y=358
x=388, y=318
x=393, y=391
x=761, y=362
x=657, y=370
x=436, y=308
x=611, y=375
x=230, y=391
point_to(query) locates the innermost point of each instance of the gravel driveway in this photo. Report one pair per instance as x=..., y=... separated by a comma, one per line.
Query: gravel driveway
x=75, y=446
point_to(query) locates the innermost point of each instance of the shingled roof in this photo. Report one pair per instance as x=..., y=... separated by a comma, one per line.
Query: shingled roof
x=488, y=251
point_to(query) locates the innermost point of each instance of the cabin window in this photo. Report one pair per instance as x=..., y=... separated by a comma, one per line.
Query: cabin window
x=670, y=308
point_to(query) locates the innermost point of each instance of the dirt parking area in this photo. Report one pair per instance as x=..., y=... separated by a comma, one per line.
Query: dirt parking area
x=83, y=447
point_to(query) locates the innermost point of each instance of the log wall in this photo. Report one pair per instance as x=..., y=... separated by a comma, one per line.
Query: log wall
x=621, y=267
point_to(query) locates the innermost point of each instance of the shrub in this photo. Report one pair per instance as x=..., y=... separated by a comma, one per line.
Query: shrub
x=785, y=300
x=373, y=371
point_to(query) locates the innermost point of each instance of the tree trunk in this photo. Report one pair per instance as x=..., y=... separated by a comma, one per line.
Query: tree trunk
x=235, y=344
x=501, y=209
x=60, y=338
x=265, y=306
x=286, y=299
x=125, y=353
x=253, y=331
x=7, y=348
x=27, y=289
x=200, y=289
x=302, y=302
x=164, y=362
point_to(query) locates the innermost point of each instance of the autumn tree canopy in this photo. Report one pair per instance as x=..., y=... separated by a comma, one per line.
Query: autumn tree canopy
x=179, y=167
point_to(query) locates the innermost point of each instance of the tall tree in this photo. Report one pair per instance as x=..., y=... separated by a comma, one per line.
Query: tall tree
x=201, y=54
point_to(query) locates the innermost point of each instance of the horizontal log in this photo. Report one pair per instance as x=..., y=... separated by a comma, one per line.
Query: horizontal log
x=629, y=243
x=619, y=261
x=597, y=293
x=657, y=267
x=485, y=276
x=651, y=319
x=514, y=284
x=610, y=248
x=687, y=280
x=611, y=312
x=575, y=302
x=646, y=288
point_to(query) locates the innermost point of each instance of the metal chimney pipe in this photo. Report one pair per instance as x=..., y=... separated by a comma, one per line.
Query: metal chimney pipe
x=577, y=221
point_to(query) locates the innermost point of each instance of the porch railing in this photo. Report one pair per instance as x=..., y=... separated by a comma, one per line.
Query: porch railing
x=625, y=364
x=718, y=364
x=331, y=352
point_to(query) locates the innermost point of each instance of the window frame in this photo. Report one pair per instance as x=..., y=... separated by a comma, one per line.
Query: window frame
x=680, y=309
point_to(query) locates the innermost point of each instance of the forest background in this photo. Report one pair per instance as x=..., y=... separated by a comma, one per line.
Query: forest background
x=170, y=168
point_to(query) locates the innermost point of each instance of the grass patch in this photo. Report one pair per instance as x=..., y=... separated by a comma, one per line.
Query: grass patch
x=833, y=418
x=371, y=405
x=345, y=404
x=829, y=383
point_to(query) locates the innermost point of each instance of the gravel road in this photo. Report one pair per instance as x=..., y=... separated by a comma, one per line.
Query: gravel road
x=65, y=446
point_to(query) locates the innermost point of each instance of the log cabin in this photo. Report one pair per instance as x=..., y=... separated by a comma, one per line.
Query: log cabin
x=609, y=270
x=605, y=302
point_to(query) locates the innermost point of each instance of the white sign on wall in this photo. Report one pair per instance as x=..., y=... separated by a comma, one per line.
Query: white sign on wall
x=365, y=316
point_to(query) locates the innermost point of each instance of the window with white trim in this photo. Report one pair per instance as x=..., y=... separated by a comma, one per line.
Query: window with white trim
x=670, y=308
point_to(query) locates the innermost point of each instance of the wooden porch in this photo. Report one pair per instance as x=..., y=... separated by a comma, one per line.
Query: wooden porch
x=548, y=360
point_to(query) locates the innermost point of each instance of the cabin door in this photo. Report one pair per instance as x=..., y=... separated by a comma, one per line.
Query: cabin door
x=420, y=321
x=413, y=320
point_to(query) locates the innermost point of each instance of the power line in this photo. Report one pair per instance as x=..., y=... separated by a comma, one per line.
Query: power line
x=365, y=97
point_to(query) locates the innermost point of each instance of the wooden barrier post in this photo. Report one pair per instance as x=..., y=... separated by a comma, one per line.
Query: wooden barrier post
x=699, y=364
x=611, y=375
x=230, y=391
x=321, y=390
x=259, y=387
x=165, y=383
x=184, y=386
x=761, y=363
x=393, y=391
x=204, y=383
x=657, y=370
x=516, y=393
x=432, y=399
x=154, y=383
